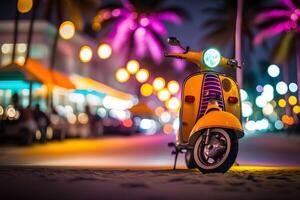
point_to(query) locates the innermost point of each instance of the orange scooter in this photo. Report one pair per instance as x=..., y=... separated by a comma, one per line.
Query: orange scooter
x=210, y=114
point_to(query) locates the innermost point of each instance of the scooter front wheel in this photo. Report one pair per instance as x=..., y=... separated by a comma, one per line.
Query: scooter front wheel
x=215, y=151
x=189, y=159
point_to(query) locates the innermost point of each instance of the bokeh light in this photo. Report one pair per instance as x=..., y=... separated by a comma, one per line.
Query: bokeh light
x=296, y=109
x=278, y=125
x=292, y=100
x=173, y=87
x=165, y=117
x=104, y=51
x=273, y=70
x=168, y=128
x=247, y=109
x=24, y=6
x=260, y=101
x=293, y=87
x=163, y=95
x=146, y=89
x=158, y=110
x=287, y=120
x=282, y=103
x=244, y=95
x=159, y=83
x=268, y=109
x=86, y=53
x=173, y=104
x=122, y=75
x=259, y=88
x=142, y=75
x=281, y=88
x=250, y=125
x=67, y=30
x=132, y=66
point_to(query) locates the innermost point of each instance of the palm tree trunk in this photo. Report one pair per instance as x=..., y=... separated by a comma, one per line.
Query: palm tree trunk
x=16, y=30
x=29, y=40
x=298, y=64
x=54, y=50
x=238, y=41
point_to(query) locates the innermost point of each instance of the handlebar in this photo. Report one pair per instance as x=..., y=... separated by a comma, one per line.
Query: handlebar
x=196, y=57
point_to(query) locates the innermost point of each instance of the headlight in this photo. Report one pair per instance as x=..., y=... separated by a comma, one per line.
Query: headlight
x=211, y=58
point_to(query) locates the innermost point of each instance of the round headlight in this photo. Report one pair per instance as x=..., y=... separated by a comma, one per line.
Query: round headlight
x=211, y=58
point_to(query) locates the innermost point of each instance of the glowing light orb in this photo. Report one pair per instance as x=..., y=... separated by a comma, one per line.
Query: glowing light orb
x=244, y=95
x=293, y=87
x=268, y=109
x=24, y=6
x=173, y=87
x=281, y=88
x=168, y=128
x=247, y=109
x=260, y=101
x=104, y=51
x=71, y=118
x=122, y=75
x=165, y=117
x=142, y=75
x=146, y=89
x=159, y=83
x=281, y=103
x=173, y=104
x=250, y=125
x=278, y=125
x=158, y=110
x=259, y=88
x=83, y=118
x=296, y=109
x=85, y=53
x=211, y=58
x=273, y=70
x=132, y=66
x=163, y=95
x=66, y=30
x=292, y=100
x=10, y=112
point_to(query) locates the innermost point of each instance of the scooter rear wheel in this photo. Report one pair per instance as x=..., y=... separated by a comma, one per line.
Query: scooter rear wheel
x=219, y=154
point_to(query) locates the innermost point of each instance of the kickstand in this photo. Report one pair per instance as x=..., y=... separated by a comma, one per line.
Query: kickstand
x=175, y=152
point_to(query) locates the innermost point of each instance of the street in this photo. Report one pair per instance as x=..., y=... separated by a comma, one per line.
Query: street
x=139, y=167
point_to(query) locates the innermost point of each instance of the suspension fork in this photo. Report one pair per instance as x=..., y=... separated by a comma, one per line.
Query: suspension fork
x=206, y=137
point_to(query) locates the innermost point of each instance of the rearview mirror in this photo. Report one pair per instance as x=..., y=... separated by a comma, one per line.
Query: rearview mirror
x=174, y=41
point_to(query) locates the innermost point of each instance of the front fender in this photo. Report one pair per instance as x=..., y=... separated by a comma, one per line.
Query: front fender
x=218, y=119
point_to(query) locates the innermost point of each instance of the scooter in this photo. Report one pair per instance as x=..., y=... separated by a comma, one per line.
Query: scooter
x=210, y=114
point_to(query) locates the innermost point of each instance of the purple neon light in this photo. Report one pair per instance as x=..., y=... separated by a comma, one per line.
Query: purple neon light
x=131, y=27
x=292, y=15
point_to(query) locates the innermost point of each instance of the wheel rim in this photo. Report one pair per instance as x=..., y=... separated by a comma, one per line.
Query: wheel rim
x=213, y=154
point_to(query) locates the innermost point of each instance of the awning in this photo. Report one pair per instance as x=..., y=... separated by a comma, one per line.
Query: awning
x=90, y=84
x=141, y=109
x=37, y=72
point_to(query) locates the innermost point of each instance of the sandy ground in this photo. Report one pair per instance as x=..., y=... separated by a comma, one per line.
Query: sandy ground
x=65, y=183
x=140, y=168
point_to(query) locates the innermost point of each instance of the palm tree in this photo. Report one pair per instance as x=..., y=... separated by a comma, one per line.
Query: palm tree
x=229, y=25
x=282, y=20
x=138, y=26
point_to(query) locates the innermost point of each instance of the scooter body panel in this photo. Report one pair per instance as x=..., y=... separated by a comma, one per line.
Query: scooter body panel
x=198, y=89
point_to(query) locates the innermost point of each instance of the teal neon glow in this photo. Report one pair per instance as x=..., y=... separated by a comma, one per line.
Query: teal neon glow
x=15, y=85
x=211, y=58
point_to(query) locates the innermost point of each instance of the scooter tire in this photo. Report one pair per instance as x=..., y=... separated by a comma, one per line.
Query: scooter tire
x=189, y=159
x=228, y=162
